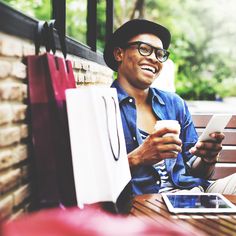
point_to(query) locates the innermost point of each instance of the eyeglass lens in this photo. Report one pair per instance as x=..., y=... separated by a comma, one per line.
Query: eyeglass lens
x=146, y=50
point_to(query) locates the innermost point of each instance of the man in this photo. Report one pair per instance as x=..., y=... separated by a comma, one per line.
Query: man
x=158, y=163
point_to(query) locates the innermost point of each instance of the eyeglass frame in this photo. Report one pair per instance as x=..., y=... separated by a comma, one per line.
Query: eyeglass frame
x=155, y=49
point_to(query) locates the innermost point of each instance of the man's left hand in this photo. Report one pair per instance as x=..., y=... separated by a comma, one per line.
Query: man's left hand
x=209, y=150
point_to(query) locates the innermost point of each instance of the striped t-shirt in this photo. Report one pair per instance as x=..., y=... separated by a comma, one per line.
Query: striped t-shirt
x=166, y=183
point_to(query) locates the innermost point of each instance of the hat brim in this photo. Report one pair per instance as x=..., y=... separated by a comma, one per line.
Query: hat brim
x=127, y=31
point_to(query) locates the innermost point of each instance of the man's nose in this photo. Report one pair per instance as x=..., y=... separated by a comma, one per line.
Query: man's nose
x=152, y=56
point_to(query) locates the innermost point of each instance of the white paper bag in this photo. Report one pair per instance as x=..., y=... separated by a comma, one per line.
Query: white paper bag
x=100, y=163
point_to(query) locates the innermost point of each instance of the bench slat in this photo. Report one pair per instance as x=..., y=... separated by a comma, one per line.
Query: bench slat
x=228, y=155
x=221, y=171
x=201, y=120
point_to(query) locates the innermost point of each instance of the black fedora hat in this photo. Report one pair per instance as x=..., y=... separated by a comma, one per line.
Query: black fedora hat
x=130, y=29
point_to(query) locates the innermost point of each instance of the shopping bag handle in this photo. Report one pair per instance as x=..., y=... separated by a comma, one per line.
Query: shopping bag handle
x=45, y=33
x=42, y=37
x=116, y=157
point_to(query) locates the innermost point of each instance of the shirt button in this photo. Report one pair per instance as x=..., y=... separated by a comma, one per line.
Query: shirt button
x=134, y=138
x=130, y=100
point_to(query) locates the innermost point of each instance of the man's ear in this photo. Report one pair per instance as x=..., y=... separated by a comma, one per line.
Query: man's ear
x=118, y=54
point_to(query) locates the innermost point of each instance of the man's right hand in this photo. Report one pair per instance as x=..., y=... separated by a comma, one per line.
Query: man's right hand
x=159, y=145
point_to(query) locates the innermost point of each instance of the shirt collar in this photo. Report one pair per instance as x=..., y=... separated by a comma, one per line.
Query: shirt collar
x=122, y=95
x=154, y=94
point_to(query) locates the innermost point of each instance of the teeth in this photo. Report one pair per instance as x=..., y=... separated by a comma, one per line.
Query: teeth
x=150, y=68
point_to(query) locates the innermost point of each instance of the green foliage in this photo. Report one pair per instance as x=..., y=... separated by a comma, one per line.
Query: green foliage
x=203, y=68
x=203, y=38
x=40, y=9
x=76, y=24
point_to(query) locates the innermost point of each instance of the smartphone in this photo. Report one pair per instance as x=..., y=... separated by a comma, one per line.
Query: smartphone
x=216, y=124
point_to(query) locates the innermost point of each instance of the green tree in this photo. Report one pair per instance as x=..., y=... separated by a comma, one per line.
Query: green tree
x=198, y=37
x=203, y=36
x=40, y=9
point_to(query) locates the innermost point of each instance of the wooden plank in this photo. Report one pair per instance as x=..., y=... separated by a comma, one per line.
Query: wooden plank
x=228, y=154
x=222, y=171
x=232, y=122
x=201, y=120
x=230, y=137
x=232, y=198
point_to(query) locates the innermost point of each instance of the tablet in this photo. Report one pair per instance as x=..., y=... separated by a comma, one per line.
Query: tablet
x=217, y=123
x=198, y=203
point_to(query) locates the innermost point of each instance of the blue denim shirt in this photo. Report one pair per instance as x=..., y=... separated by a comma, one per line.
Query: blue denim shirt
x=166, y=106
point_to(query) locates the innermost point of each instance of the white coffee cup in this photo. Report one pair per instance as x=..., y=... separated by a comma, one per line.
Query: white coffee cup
x=174, y=124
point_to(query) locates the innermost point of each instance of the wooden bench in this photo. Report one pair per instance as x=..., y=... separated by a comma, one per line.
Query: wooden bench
x=227, y=162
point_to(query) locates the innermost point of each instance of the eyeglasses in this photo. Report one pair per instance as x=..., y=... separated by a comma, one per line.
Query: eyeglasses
x=146, y=49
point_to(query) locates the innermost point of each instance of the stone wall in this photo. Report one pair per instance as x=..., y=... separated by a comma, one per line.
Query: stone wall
x=15, y=178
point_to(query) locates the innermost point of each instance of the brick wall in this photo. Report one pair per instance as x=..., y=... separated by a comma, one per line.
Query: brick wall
x=15, y=181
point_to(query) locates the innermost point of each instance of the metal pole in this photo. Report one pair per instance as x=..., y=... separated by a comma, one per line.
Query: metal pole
x=92, y=24
x=109, y=18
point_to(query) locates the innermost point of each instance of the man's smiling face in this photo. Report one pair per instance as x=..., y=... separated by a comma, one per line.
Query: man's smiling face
x=139, y=71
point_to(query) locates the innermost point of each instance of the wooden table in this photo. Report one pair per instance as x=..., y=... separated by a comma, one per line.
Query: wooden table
x=151, y=206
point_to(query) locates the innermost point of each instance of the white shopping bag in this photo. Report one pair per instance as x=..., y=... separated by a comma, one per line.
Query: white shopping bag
x=100, y=163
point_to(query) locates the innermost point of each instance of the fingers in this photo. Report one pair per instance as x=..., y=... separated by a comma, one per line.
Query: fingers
x=157, y=158
x=165, y=130
x=170, y=138
x=155, y=149
x=204, y=153
x=169, y=154
x=209, y=146
x=206, y=149
x=168, y=146
x=219, y=137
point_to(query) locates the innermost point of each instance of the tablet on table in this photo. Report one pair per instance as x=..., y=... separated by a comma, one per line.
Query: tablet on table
x=198, y=203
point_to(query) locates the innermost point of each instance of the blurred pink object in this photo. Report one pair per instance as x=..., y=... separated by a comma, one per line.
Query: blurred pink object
x=90, y=221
